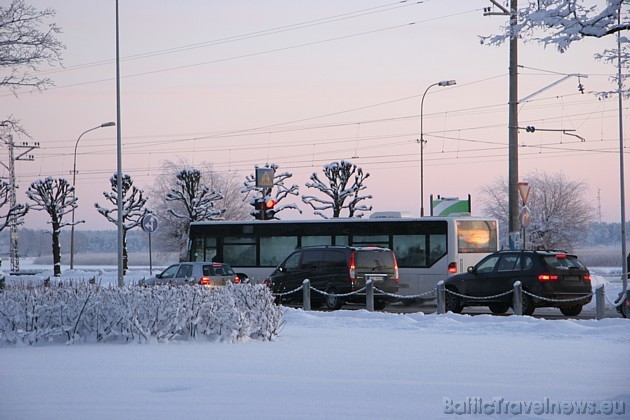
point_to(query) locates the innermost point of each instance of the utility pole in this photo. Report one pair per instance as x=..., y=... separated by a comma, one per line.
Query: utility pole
x=513, y=205
x=15, y=257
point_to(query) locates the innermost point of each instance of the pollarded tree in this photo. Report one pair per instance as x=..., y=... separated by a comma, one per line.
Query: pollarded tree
x=27, y=41
x=57, y=198
x=277, y=193
x=197, y=199
x=560, y=211
x=133, y=209
x=345, y=182
x=14, y=214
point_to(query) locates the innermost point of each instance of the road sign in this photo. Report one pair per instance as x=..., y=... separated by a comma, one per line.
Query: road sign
x=523, y=189
x=264, y=177
x=525, y=217
x=149, y=223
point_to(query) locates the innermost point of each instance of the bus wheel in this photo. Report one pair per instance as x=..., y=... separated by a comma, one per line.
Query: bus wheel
x=452, y=303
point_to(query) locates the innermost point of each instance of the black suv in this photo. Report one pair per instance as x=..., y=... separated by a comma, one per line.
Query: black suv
x=337, y=270
x=549, y=274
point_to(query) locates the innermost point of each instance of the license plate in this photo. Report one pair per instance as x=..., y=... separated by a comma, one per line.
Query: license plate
x=374, y=278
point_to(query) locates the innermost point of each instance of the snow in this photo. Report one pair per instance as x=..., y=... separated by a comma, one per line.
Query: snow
x=342, y=364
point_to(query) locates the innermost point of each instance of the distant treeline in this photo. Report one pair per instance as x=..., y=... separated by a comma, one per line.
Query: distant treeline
x=36, y=243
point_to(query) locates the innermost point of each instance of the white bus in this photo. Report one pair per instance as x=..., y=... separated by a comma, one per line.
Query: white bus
x=427, y=249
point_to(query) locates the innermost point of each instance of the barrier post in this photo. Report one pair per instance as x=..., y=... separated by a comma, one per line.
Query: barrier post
x=369, y=296
x=441, y=296
x=517, y=298
x=306, y=295
x=600, y=303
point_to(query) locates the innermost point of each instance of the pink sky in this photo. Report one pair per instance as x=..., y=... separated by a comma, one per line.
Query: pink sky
x=347, y=87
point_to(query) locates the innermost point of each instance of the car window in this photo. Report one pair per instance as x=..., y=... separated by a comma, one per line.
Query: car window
x=334, y=259
x=487, y=265
x=527, y=263
x=310, y=259
x=508, y=263
x=293, y=262
x=208, y=270
x=374, y=260
x=169, y=273
x=228, y=270
x=562, y=261
x=184, y=271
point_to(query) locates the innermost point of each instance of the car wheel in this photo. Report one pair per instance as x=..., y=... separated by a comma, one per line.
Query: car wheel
x=528, y=305
x=571, y=310
x=332, y=303
x=379, y=305
x=452, y=303
x=499, y=308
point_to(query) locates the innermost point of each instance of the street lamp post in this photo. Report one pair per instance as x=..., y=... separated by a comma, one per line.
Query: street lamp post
x=74, y=176
x=441, y=83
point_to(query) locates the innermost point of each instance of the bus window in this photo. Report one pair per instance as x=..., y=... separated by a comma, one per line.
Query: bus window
x=371, y=240
x=239, y=251
x=316, y=240
x=410, y=250
x=437, y=245
x=273, y=249
x=476, y=236
x=342, y=240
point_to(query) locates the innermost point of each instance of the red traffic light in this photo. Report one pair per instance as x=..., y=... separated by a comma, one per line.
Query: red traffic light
x=270, y=203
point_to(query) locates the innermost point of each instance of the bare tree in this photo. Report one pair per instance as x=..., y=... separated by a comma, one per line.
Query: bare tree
x=560, y=211
x=133, y=205
x=277, y=193
x=345, y=182
x=57, y=198
x=27, y=41
x=174, y=230
x=560, y=23
x=14, y=214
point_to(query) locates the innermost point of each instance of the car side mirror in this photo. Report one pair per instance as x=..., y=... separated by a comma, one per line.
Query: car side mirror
x=472, y=270
x=159, y=275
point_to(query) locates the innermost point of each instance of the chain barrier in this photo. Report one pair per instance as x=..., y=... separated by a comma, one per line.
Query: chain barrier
x=620, y=302
x=376, y=289
x=338, y=294
x=558, y=300
x=288, y=293
x=479, y=298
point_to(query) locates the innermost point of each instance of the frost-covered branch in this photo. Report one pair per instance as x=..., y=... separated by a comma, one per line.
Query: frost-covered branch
x=278, y=192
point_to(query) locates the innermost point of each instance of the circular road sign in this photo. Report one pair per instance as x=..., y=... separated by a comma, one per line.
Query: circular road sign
x=149, y=223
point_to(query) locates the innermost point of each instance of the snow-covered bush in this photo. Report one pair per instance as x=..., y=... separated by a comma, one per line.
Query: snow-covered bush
x=85, y=312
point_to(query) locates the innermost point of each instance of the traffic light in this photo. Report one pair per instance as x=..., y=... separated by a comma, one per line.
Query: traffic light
x=259, y=205
x=270, y=212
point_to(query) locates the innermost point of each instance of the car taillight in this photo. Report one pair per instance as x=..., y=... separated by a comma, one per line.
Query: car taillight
x=237, y=279
x=559, y=256
x=352, y=270
x=587, y=277
x=452, y=268
x=204, y=280
x=547, y=277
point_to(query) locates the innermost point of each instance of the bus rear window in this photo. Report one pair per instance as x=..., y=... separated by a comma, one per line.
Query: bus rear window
x=476, y=236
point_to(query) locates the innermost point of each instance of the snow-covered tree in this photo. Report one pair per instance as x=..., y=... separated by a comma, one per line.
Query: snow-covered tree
x=197, y=198
x=560, y=211
x=559, y=23
x=27, y=41
x=15, y=213
x=174, y=230
x=57, y=198
x=134, y=208
x=277, y=193
x=344, y=183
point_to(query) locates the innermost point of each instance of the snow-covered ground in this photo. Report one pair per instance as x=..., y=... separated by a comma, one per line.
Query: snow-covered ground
x=343, y=364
